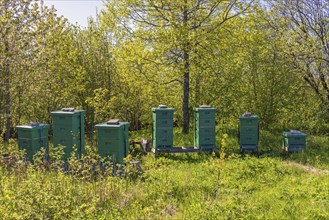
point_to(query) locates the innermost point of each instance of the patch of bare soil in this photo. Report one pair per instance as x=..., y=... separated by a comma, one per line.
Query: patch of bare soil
x=308, y=168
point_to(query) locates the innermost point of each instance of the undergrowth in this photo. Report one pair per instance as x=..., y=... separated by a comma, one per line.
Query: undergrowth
x=226, y=185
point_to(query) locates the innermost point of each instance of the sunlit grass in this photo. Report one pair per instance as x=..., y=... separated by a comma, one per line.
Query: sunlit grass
x=176, y=186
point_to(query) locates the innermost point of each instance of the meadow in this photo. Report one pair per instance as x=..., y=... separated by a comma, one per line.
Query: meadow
x=227, y=185
x=269, y=58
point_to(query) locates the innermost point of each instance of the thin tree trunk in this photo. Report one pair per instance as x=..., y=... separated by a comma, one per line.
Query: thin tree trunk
x=7, y=93
x=186, y=116
x=197, y=90
x=186, y=57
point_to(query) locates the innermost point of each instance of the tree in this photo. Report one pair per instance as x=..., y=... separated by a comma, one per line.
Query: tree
x=173, y=31
x=28, y=30
x=95, y=78
x=307, y=33
x=16, y=18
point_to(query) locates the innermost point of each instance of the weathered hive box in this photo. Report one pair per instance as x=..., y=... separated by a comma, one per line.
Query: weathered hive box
x=249, y=132
x=32, y=137
x=294, y=141
x=112, y=140
x=204, y=127
x=162, y=118
x=68, y=130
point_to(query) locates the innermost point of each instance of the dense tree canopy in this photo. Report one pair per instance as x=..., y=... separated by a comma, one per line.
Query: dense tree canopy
x=234, y=55
x=176, y=34
x=306, y=29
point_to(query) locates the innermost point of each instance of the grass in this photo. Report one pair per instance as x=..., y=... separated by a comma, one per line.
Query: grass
x=271, y=185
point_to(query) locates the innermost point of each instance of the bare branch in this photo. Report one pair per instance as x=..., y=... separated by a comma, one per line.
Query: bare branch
x=230, y=7
x=211, y=12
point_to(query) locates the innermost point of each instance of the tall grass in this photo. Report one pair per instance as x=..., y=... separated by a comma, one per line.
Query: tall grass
x=175, y=186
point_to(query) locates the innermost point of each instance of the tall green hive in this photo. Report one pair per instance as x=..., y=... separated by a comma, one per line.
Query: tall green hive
x=249, y=132
x=294, y=141
x=204, y=127
x=69, y=130
x=32, y=137
x=112, y=140
x=163, y=118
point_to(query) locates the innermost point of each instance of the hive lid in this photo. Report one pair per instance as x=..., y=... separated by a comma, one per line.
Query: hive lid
x=247, y=114
x=67, y=109
x=162, y=106
x=205, y=106
x=33, y=124
x=295, y=132
x=113, y=122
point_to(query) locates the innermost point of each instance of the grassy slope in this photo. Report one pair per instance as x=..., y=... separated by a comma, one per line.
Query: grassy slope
x=186, y=186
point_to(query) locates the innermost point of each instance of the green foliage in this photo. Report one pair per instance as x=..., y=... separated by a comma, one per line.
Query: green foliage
x=182, y=186
x=114, y=69
x=135, y=56
x=304, y=26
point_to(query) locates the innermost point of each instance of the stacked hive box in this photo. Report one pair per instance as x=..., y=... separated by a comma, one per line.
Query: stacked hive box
x=204, y=127
x=68, y=130
x=32, y=137
x=112, y=140
x=162, y=127
x=249, y=132
x=294, y=141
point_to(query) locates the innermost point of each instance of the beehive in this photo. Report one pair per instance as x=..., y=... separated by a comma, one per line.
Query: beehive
x=294, y=141
x=32, y=137
x=249, y=132
x=162, y=127
x=112, y=140
x=204, y=127
x=68, y=130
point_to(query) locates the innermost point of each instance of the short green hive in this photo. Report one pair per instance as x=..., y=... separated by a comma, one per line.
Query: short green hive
x=294, y=141
x=32, y=137
x=112, y=140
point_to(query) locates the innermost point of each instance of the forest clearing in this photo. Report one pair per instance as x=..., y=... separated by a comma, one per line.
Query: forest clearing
x=266, y=60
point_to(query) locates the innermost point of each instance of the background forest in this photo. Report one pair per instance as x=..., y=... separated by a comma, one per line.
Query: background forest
x=264, y=57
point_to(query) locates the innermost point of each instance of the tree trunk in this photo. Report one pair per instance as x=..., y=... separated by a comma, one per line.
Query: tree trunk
x=186, y=58
x=197, y=90
x=7, y=92
x=92, y=125
x=186, y=116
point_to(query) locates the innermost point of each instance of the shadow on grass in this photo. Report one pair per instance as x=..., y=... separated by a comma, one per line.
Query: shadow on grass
x=192, y=158
x=317, y=149
x=270, y=145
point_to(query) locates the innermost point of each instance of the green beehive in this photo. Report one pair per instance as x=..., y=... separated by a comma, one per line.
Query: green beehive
x=294, y=141
x=112, y=140
x=68, y=130
x=32, y=137
x=249, y=132
x=204, y=127
x=163, y=127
